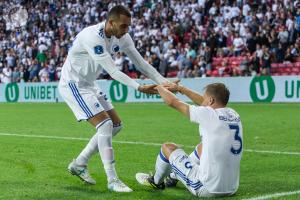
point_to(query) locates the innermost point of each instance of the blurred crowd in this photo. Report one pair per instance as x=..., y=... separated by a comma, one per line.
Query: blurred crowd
x=180, y=38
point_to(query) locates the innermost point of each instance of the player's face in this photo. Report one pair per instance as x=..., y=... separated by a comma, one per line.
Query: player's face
x=121, y=26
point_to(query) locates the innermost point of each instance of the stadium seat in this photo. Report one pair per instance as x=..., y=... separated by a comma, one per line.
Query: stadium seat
x=208, y=73
x=234, y=64
x=172, y=74
x=287, y=69
x=132, y=75
x=297, y=59
x=289, y=65
x=215, y=73
x=295, y=69
x=292, y=73
x=241, y=58
x=297, y=64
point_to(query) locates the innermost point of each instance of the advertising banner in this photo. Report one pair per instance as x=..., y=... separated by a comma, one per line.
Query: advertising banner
x=242, y=89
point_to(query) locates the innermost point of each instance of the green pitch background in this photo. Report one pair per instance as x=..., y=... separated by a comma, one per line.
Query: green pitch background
x=35, y=168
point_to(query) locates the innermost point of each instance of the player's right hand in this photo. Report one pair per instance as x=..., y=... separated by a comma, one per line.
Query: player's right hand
x=172, y=86
x=148, y=89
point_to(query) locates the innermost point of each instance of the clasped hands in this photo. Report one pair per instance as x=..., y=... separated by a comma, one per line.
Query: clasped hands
x=152, y=88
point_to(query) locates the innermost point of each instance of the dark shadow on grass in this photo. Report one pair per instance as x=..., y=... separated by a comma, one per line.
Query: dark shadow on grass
x=29, y=167
x=84, y=189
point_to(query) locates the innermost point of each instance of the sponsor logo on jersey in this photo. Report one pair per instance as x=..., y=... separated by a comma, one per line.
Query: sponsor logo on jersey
x=98, y=49
x=262, y=89
x=101, y=33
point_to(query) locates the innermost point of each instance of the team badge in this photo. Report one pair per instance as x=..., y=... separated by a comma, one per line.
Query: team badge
x=116, y=48
x=97, y=105
x=98, y=49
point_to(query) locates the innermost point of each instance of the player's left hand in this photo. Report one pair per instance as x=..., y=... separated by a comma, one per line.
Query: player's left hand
x=148, y=89
x=172, y=86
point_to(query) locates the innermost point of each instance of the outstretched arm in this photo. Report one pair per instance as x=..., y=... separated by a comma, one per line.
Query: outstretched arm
x=116, y=74
x=172, y=101
x=107, y=63
x=194, y=96
x=144, y=66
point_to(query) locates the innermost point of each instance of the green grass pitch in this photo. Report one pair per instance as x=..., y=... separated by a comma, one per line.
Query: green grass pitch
x=35, y=167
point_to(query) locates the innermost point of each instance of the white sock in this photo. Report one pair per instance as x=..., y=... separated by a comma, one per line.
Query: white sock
x=195, y=157
x=162, y=168
x=90, y=149
x=104, y=132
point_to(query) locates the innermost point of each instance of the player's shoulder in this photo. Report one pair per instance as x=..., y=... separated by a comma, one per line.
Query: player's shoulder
x=201, y=109
x=232, y=111
x=126, y=41
x=96, y=30
x=126, y=38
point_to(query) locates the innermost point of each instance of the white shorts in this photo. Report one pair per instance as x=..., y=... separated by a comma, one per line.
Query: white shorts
x=84, y=102
x=187, y=172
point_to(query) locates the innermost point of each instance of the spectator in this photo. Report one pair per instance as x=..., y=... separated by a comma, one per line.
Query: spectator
x=244, y=66
x=44, y=74
x=6, y=74
x=34, y=69
x=266, y=62
x=227, y=28
x=119, y=61
x=16, y=75
x=238, y=44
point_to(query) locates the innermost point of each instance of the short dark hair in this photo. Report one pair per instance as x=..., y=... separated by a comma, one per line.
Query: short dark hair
x=118, y=10
x=219, y=91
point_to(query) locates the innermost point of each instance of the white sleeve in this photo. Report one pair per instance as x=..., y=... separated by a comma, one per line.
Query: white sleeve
x=108, y=64
x=129, y=49
x=200, y=114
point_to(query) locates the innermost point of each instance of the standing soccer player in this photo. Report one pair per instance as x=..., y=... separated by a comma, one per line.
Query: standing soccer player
x=213, y=169
x=91, y=51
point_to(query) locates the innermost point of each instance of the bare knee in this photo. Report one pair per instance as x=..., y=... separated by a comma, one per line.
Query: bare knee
x=168, y=148
x=98, y=118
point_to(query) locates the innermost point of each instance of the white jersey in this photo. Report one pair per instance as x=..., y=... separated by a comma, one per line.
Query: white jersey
x=222, y=133
x=91, y=51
